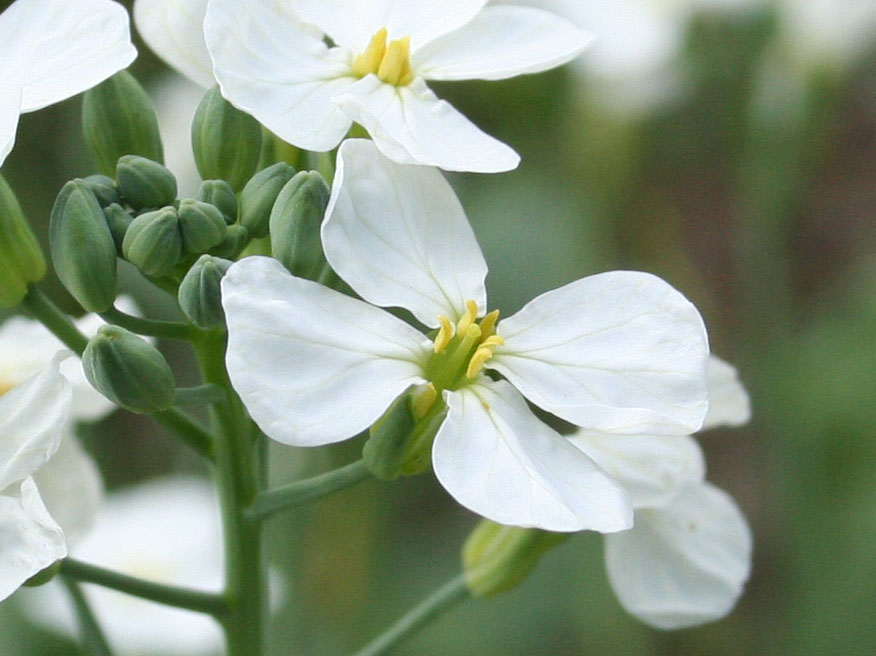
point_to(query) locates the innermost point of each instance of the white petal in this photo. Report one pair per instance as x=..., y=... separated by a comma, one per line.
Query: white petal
x=410, y=125
x=684, y=564
x=399, y=236
x=621, y=352
x=499, y=43
x=30, y=540
x=728, y=401
x=10, y=110
x=55, y=50
x=652, y=468
x=312, y=365
x=174, y=30
x=32, y=419
x=270, y=65
x=498, y=460
x=353, y=24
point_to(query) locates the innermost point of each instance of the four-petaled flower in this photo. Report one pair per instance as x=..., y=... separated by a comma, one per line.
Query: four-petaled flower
x=621, y=352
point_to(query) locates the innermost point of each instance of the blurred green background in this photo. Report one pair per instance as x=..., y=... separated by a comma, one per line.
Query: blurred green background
x=754, y=193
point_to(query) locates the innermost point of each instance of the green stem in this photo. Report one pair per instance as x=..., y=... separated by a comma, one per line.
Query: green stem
x=194, y=600
x=150, y=327
x=237, y=479
x=93, y=639
x=188, y=430
x=299, y=492
x=199, y=395
x=43, y=309
x=447, y=596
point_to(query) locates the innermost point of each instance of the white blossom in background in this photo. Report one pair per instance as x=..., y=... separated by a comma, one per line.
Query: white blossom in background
x=176, y=100
x=174, y=30
x=54, y=49
x=271, y=59
x=621, y=352
x=167, y=530
x=32, y=420
x=688, y=555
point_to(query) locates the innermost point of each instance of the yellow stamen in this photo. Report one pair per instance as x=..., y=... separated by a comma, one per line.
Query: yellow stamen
x=5, y=387
x=467, y=319
x=477, y=361
x=424, y=400
x=445, y=334
x=492, y=340
x=395, y=68
x=488, y=323
x=369, y=61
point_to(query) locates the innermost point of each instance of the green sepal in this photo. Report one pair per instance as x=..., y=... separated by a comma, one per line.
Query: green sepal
x=43, y=576
x=128, y=370
x=145, y=184
x=295, y=222
x=384, y=452
x=118, y=118
x=226, y=141
x=201, y=224
x=153, y=242
x=104, y=189
x=219, y=194
x=21, y=258
x=497, y=558
x=200, y=297
x=258, y=196
x=119, y=220
x=82, y=246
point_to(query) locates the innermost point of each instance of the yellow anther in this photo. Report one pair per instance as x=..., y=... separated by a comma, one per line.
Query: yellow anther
x=477, y=361
x=492, y=340
x=467, y=319
x=472, y=335
x=5, y=387
x=369, y=61
x=423, y=400
x=445, y=334
x=488, y=323
x=396, y=65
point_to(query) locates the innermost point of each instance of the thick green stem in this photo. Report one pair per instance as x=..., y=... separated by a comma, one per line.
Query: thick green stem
x=199, y=395
x=299, y=492
x=54, y=319
x=427, y=610
x=237, y=479
x=200, y=602
x=93, y=640
x=150, y=327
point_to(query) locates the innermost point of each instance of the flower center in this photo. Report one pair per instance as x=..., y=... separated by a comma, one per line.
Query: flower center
x=390, y=62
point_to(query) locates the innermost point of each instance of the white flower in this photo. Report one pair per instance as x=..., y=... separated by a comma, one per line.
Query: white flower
x=32, y=420
x=271, y=59
x=620, y=352
x=688, y=555
x=168, y=531
x=174, y=30
x=54, y=49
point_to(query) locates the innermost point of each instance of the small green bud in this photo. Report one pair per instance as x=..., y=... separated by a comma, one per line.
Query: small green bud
x=219, y=194
x=226, y=141
x=119, y=220
x=153, y=242
x=21, y=259
x=82, y=246
x=202, y=225
x=128, y=370
x=199, y=294
x=118, y=118
x=496, y=558
x=295, y=221
x=104, y=189
x=258, y=196
x=43, y=576
x=389, y=437
x=236, y=239
x=145, y=184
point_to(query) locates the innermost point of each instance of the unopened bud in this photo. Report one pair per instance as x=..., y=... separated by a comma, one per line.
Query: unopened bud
x=236, y=239
x=202, y=225
x=496, y=558
x=295, y=221
x=199, y=293
x=384, y=452
x=219, y=194
x=128, y=370
x=83, y=250
x=22, y=260
x=119, y=220
x=258, y=196
x=104, y=189
x=118, y=118
x=145, y=184
x=153, y=242
x=226, y=141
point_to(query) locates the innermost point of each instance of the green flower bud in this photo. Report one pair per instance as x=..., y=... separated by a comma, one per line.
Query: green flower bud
x=153, y=242
x=145, y=184
x=226, y=141
x=496, y=558
x=199, y=294
x=43, y=576
x=389, y=437
x=202, y=225
x=128, y=370
x=22, y=260
x=219, y=194
x=82, y=246
x=104, y=189
x=258, y=196
x=118, y=118
x=295, y=221
x=236, y=239
x=119, y=220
